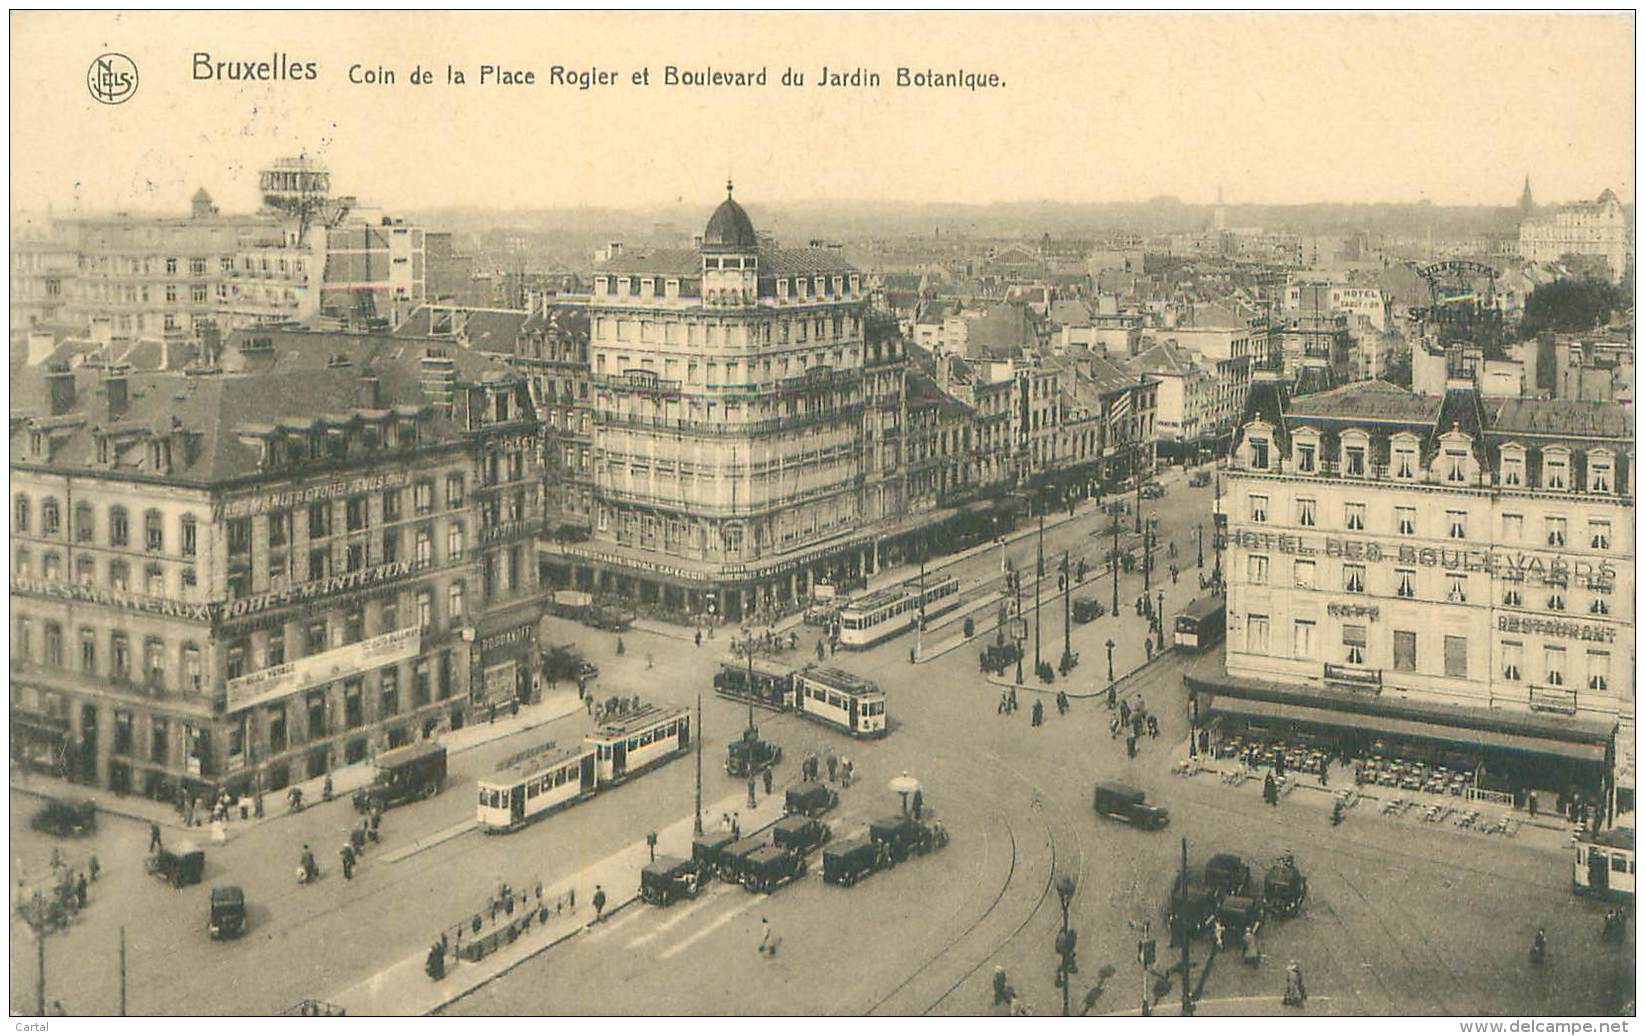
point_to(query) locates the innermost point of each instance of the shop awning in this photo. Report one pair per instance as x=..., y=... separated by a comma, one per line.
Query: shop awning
x=1392, y=727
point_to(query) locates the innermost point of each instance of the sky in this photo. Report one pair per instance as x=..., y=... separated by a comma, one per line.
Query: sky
x=1275, y=108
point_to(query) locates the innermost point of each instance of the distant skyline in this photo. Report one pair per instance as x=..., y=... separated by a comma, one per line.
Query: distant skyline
x=1274, y=109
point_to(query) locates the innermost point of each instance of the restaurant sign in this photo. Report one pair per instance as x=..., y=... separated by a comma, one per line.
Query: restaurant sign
x=1556, y=628
x=281, y=680
x=1505, y=564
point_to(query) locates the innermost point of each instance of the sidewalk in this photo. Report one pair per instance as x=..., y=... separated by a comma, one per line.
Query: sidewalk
x=406, y=989
x=344, y=780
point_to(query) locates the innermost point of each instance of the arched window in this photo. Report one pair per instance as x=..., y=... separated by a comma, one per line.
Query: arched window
x=20, y=520
x=119, y=527
x=85, y=522
x=154, y=531
x=51, y=519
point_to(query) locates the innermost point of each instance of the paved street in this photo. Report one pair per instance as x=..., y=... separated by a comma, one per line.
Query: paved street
x=1435, y=921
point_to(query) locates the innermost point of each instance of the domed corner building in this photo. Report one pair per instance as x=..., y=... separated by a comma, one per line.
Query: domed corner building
x=730, y=390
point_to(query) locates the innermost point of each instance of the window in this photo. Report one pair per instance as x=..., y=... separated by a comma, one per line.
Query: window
x=1256, y=633
x=1456, y=465
x=21, y=513
x=24, y=647
x=84, y=523
x=1256, y=569
x=1554, y=663
x=1554, y=469
x=454, y=490
x=1458, y=521
x=1353, y=516
x=154, y=581
x=1556, y=600
x=425, y=547
x=1305, y=457
x=1259, y=508
x=1599, y=534
x=154, y=533
x=1456, y=656
x=1556, y=532
x=388, y=682
x=1405, y=462
x=274, y=652
x=391, y=546
x=319, y=563
x=50, y=518
x=279, y=528
x=423, y=497
x=159, y=738
x=391, y=505
x=1456, y=587
x=1353, y=578
x=54, y=645
x=425, y=609
x=1599, y=670
x=119, y=655
x=1405, y=651
x=239, y=535
x=1513, y=527
x=1511, y=596
x=454, y=601
x=356, y=557
x=454, y=543
x=1599, y=606
x=1405, y=582
x=1354, y=460
x=120, y=576
x=356, y=513
x=1513, y=466
x=119, y=527
x=1512, y=654
x=1259, y=454
x=314, y=637
x=319, y=521
x=190, y=534
x=1304, y=574
x=1353, y=642
x=1305, y=511
x=1305, y=638
x=1599, y=475
x=1405, y=520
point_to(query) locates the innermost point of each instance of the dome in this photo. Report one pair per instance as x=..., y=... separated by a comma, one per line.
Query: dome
x=201, y=197
x=730, y=227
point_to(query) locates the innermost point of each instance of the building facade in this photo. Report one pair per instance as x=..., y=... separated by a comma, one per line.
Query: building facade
x=246, y=580
x=1443, y=551
x=1598, y=228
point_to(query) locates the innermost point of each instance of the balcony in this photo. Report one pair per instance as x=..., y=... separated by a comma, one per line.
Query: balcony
x=1357, y=677
x=1553, y=698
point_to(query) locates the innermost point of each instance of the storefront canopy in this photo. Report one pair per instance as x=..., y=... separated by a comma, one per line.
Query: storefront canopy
x=1389, y=726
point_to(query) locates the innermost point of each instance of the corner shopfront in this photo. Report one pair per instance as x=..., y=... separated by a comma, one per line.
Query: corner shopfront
x=1511, y=752
x=504, y=666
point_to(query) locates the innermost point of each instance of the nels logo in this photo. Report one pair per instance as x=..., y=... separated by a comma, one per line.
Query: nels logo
x=112, y=78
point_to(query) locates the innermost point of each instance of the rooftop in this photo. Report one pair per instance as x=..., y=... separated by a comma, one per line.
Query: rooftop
x=1369, y=401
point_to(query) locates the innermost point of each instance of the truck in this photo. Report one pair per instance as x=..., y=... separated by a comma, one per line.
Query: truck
x=403, y=775
x=1127, y=804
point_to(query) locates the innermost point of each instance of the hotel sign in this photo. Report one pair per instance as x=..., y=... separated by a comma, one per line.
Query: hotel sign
x=246, y=506
x=1504, y=564
x=281, y=680
x=363, y=579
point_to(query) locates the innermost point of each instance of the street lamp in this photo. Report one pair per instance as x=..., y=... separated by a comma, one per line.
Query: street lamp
x=1019, y=631
x=1114, y=566
x=1067, y=613
x=1199, y=544
x=1110, y=647
x=1067, y=941
x=1160, y=621
x=1147, y=557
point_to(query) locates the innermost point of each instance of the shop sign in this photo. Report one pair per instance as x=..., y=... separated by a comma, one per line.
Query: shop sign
x=246, y=506
x=198, y=612
x=1507, y=564
x=343, y=583
x=512, y=442
x=281, y=680
x=1368, y=611
x=1555, y=627
x=499, y=681
x=506, y=531
x=522, y=634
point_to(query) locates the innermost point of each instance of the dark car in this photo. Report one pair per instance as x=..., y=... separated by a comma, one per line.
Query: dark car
x=706, y=851
x=185, y=865
x=799, y=833
x=1199, y=478
x=1229, y=873
x=812, y=800
x=1153, y=491
x=903, y=836
x=749, y=754
x=406, y=774
x=1240, y=913
x=63, y=817
x=1122, y=802
x=1086, y=609
x=850, y=861
x=735, y=856
x=228, y=911
x=668, y=878
x=769, y=868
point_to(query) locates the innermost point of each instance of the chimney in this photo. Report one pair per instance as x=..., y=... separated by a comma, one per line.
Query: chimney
x=116, y=389
x=60, y=386
x=102, y=331
x=615, y=249
x=41, y=344
x=368, y=393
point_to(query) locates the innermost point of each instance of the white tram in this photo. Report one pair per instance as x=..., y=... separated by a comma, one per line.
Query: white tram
x=885, y=613
x=1604, y=864
x=841, y=699
x=542, y=779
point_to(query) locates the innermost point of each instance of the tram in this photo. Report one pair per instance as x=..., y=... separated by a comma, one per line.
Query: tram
x=1604, y=864
x=538, y=781
x=768, y=683
x=885, y=613
x=841, y=699
x=1200, y=625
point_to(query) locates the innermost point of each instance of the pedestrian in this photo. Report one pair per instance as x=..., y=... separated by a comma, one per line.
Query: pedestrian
x=846, y=770
x=1324, y=772
x=1038, y=714
x=1148, y=646
x=736, y=826
x=752, y=801
x=347, y=853
x=910, y=656
x=648, y=660
x=571, y=899
x=1218, y=930
x=154, y=837
x=919, y=803
x=1153, y=725
x=1113, y=728
x=699, y=638
x=1270, y=790
x=599, y=903
x=1002, y=986
x=588, y=702
x=768, y=939
x=833, y=765
x=1279, y=763
x=1004, y=705
x=80, y=891
x=1125, y=713
x=820, y=649
x=1295, y=992
x=768, y=780
x=1130, y=746
x=491, y=716
x=311, y=870
x=95, y=867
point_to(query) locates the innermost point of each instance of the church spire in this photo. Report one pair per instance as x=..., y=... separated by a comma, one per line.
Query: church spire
x=1525, y=202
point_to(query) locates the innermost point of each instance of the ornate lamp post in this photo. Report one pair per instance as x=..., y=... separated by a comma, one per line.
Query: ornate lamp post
x=1019, y=633
x=1110, y=646
x=1199, y=544
x=1067, y=941
x=1114, y=567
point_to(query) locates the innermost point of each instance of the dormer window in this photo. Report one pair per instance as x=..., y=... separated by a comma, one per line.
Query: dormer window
x=1456, y=465
x=1305, y=457
x=1405, y=461
x=1513, y=466
x=1259, y=454
x=1353, y=460
x=1599, y=472
x=1556, y=466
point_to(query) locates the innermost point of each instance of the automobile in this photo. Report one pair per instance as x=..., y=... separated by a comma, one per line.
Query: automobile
x=707, y=850
x=1125, y=804
x=185, y=865
x=799, y=833
x=1085, y=609
x=415, y=771
x=1153, y=491
x=809, y=800
x=903, y=836
x=228, y=911
x=848, y=862
x=1199, y=478
x=768, y=868
x=1229, y=873
x=669, y=878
